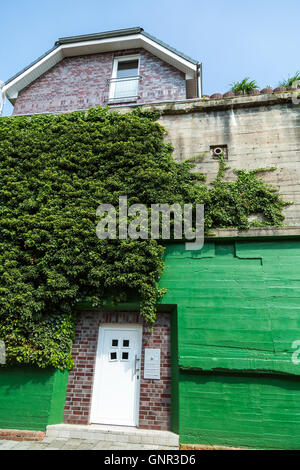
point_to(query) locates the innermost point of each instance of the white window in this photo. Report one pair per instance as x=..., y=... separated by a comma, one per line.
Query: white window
x=124, y=83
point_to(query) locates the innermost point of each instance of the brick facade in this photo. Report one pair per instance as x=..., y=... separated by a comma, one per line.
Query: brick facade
x=155, y=395
x=17, y=435
x=81, y=82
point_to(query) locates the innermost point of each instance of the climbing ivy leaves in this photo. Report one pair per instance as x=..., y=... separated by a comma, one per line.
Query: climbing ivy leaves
x=54, y=173
x=246, y=202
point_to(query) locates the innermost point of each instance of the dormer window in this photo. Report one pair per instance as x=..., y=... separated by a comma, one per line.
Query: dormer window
x=124, y=83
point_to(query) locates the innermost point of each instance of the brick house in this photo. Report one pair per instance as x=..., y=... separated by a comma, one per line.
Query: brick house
x=114, y=68
x=217, y=366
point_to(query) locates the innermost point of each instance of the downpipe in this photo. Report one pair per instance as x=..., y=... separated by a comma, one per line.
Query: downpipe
x=2, y=97
x=199, y=80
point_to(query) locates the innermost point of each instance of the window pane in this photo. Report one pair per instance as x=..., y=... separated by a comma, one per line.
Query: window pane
x=125, y=356
x=128, y=68
x=114, y=343
x=126, y=88
x=126, y=343
x=113, y=356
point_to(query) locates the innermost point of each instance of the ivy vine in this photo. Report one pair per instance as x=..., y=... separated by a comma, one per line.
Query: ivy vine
x=54, y=173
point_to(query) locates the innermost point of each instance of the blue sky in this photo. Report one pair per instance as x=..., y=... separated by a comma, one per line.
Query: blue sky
x=233, y=39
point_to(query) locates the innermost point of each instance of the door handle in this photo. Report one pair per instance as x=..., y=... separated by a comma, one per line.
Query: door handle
x=136, y=360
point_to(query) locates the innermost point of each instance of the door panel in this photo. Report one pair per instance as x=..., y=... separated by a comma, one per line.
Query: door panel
x=117, y=376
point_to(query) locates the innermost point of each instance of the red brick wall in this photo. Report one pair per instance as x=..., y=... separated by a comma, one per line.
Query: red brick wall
x=81, y=82
x=17, y=435
x=155, y=395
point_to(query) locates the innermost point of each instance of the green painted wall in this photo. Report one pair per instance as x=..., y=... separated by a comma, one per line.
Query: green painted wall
x=245, y=411
x=234, y=383
x=238, y=314
x=31, y=398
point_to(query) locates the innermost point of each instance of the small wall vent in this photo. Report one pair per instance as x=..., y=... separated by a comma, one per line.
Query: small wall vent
x=218, y=150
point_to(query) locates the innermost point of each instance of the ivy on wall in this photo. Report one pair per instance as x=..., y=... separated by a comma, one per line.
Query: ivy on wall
x=54, y=173
x=246, y=202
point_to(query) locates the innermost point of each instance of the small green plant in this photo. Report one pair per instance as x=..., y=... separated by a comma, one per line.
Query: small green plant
x=243, y=87
x=290, y=80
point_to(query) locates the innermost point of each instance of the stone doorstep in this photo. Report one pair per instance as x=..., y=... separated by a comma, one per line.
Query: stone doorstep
x=121, y=434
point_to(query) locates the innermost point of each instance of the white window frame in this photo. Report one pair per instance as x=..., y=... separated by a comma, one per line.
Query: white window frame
x=124, y=58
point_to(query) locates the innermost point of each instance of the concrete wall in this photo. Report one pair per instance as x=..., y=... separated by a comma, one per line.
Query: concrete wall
x=31, y=398
x=260, y=131
x=78, y=83
x=238, y=307
x=240, y=410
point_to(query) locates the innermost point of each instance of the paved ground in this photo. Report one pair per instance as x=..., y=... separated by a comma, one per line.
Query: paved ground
x=75, y=444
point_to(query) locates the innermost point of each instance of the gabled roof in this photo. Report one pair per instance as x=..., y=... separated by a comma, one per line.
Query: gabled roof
x=130, y=38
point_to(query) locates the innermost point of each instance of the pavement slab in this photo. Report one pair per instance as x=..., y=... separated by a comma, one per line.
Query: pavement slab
x=76, y=444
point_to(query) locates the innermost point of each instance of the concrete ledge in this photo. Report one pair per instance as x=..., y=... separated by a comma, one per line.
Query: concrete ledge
x=16, y=435
x=196, y=105
x=207, y=105
x=122, y=434
x=255, y=232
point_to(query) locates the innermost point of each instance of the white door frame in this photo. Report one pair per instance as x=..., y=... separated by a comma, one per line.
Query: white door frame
x=98, y=365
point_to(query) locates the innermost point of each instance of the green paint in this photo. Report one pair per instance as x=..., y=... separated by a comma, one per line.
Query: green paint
x=238, y=307
x=174, y=374
x=233, y=380
x=246, y=411
x=31, y=398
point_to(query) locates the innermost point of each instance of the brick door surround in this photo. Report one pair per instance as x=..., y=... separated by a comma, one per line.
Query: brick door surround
x=155, y=395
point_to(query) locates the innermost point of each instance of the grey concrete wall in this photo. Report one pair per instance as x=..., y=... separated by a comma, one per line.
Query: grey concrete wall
x=260, y=131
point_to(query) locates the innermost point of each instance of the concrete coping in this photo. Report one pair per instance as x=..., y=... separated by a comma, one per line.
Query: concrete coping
x=255, y=232
x=194, y=105
x=205, y=105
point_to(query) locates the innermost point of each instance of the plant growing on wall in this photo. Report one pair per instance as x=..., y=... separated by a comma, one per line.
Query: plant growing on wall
x=291, y=80
x=246, y=202
x=54, y=173
x=244, y=86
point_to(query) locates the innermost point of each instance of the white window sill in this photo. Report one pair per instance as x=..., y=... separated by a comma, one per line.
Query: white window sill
x=130, y=99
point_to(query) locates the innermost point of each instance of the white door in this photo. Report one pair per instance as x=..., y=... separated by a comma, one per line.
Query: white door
x=117, y=375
